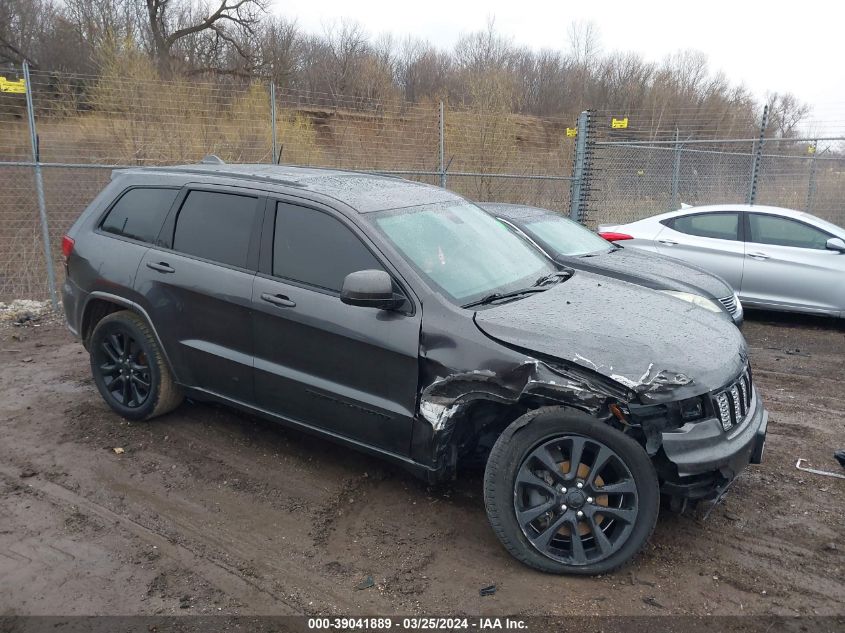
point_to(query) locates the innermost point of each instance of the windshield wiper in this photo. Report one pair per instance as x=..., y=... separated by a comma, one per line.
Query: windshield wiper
x=540, y=285
x=555, y=277
x=496, y=296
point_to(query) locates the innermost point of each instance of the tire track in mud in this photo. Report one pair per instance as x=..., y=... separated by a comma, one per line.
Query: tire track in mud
x=260, y=599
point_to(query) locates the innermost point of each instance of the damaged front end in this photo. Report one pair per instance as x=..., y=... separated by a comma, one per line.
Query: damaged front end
x=697, y=444
x=462, y=406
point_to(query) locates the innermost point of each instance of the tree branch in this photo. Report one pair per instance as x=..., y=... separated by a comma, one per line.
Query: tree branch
x=222, y=12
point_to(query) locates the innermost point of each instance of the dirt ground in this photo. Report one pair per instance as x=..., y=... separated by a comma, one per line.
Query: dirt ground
x=210, y=511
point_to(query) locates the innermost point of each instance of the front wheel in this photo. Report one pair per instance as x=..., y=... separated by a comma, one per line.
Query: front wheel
x=568, y=494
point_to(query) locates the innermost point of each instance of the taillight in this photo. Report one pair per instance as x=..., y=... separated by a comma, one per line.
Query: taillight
x=616, y=237
x=67, y=246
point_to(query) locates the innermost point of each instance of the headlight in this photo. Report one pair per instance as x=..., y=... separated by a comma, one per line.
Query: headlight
x=692, y=409
x=704, y=302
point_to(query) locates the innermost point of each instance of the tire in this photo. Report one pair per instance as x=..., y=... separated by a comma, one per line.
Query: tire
x=125, y=357
x=529, y=472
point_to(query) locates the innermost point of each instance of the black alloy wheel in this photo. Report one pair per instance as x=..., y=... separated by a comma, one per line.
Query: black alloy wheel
x=575, y=500
x=567, y=493
x=124, y=369
x=129, y=368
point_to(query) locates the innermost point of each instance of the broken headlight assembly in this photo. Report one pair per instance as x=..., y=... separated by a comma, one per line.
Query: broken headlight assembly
x=671, y=415
x=692, y=409
x=704, y=302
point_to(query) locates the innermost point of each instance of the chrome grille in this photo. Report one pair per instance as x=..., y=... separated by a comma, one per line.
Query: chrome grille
x=729, y=303
x=733, y=403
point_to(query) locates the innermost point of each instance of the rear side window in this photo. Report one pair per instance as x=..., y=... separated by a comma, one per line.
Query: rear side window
x=139, y=213
x=216, y=226
x=314, y=248
x=771, y=229
x=721, y=226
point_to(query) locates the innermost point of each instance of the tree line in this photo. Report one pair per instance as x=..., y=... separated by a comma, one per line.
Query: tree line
x=238, y=40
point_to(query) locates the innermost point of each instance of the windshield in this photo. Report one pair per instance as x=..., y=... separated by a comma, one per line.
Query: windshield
x=565, y=237
x=461, y=250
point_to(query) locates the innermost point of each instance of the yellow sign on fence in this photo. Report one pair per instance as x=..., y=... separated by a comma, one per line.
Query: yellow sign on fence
x=572, y=131
x=811, y=149
x=7, y=85
x=619, y=124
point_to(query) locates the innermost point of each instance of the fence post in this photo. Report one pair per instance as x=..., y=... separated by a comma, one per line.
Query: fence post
x=275, y=157
x=676, y=174
x=578, y=187
x=442, y=149
x=39, y=188
x=755, y=159
x=811, y=185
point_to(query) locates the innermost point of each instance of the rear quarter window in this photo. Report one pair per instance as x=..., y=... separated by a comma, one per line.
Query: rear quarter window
x=139, y=213
x=720, y=226
x=216, y=226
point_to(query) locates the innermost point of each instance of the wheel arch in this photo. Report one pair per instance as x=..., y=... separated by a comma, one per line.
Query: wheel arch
x=100, y=304
x=456, y=411
x=477, y=427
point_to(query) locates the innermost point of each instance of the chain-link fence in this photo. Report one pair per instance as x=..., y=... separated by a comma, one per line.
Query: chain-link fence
x=641, y=172
x=636, y=181
x=86, y=126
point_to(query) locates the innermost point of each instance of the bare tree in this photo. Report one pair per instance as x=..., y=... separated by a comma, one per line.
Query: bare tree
x=173, y=23
x=786, y=113
x=281, y=50
x=24, y=25
x=584, y=42
x=100, y=22
x=422, y=71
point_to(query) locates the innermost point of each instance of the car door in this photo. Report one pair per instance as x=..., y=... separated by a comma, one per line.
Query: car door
x=131, y=224
x=787, y=265
x=346, y=369
x=711, y=240
x=196, y=284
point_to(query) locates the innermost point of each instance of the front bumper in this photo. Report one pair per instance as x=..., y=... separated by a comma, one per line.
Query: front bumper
x=705, y=458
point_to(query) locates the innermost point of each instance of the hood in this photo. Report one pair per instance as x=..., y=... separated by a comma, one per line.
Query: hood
x=654, y=271
x=651, y=343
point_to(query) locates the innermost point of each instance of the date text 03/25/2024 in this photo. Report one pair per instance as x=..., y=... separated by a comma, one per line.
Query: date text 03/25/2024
x=416, y=623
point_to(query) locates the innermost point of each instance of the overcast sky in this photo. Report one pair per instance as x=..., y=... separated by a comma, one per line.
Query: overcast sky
x=767, y=46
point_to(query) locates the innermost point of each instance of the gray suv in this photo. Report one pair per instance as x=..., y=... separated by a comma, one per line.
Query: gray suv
x=404, y=321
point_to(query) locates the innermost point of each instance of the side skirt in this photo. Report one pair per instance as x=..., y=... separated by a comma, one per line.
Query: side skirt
x=420, y=471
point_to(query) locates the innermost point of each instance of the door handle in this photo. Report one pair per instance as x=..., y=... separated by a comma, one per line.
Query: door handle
x=278, y=300
x=162, y=267
x=668, y=242
x=758, y=255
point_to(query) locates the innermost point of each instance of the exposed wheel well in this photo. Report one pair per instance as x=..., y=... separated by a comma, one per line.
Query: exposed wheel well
x=484, y=421
x=480, y=426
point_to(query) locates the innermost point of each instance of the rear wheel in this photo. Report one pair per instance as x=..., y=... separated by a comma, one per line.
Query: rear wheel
x=566, y=493
x=129, y=368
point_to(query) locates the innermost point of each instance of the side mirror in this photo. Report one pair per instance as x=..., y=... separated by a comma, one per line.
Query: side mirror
x=370, y=289
x=836, y=244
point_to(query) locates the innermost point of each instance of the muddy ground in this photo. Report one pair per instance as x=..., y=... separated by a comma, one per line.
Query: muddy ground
x=210, y=511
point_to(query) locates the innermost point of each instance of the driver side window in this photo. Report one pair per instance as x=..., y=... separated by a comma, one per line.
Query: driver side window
x=314, y=248
x=772, y=229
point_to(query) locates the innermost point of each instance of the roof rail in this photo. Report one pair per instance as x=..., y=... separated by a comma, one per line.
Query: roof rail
x=212, y=159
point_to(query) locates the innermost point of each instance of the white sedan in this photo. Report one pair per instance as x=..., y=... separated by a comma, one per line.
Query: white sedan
x=774, y=258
